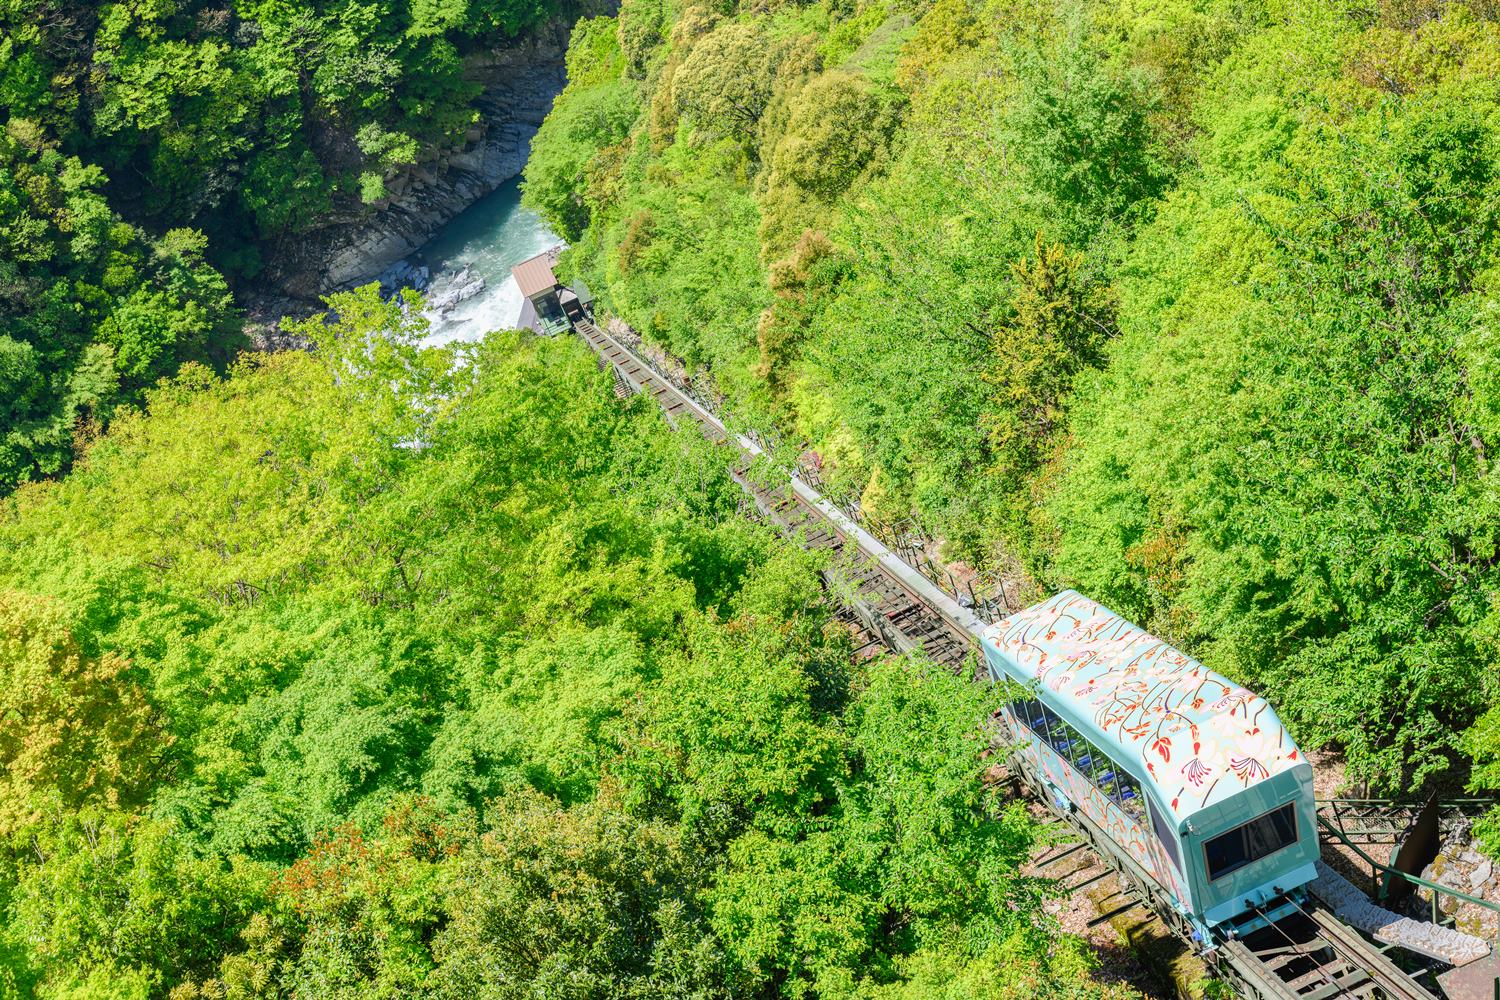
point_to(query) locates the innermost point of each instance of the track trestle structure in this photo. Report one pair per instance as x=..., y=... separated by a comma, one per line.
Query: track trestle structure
x=1291, y=948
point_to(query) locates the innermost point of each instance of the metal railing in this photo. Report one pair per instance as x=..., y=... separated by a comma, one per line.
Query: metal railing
x=906, y=538
x=1365, y=822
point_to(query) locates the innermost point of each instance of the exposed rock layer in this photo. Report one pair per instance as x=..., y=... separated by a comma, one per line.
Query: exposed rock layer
x=1459, y=865
x=1353, y=907
x=520, y=84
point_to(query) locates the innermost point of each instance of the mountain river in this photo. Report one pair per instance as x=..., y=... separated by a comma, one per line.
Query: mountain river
x=490, y=236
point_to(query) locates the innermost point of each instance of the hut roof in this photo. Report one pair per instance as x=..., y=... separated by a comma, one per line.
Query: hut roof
x=535, y=276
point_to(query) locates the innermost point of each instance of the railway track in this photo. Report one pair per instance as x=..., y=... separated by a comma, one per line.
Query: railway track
x=1310, y=955
x=889, y=600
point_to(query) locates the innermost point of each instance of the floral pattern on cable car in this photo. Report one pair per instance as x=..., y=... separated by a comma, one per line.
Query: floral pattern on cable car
x=1201, y=737
x=1103, y=790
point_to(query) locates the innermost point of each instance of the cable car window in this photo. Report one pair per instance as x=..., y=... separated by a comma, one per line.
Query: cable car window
x=1059, y=734
x=1038, y=718
x=1127, y=795
x=1075, y=748
x=1027, y=711
x=1091, y=760
x=1043, y=727
x=1259, y=838
x=1087, y=758
x=1107, y=778
x=1083, y=754
x=1165, y=836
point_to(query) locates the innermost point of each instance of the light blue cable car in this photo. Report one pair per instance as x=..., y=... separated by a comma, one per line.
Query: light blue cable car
x=1191, y=776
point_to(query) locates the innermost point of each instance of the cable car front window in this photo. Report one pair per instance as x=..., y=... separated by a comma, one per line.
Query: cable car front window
x=1259, y=838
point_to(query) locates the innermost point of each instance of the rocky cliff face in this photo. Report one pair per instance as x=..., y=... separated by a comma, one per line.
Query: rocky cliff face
x=520, y=84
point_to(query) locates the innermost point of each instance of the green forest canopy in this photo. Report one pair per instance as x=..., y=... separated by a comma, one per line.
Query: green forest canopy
x=530, y=710
x=1188, y=304
x=153, y=151
x=377, y=670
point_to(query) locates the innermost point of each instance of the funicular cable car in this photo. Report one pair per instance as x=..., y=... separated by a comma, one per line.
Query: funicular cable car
x=1189, y=775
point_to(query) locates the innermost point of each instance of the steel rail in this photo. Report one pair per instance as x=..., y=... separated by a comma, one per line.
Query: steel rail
x=907, y=611
x=893, y=599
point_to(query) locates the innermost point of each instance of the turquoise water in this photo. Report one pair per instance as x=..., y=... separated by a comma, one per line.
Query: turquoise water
x=492, y=235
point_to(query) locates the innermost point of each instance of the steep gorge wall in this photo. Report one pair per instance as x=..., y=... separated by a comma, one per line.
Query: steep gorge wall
x=520, y=83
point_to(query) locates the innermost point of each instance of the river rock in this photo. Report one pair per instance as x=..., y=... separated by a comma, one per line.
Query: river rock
x=451, y=289
x=403, y=274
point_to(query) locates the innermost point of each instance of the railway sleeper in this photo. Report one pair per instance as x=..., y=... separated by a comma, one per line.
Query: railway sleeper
x=1118, y=911
x=882, y=606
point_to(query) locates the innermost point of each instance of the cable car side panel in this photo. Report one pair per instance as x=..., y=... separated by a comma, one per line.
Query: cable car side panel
x=1128, y=833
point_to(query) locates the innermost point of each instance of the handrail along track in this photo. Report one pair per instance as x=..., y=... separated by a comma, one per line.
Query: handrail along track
x=1309, y=955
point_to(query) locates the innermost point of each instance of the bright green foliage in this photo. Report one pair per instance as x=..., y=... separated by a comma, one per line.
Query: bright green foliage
x=913, y=861
x=1061, y=318
x=583, y=902
x=1312, y=496
x=79, y=732
x=1081, y=131
x=188, y=99
x=450, y=674
x=593, y=113
x=91, y=309
x=99, y=900
x=836, y=130
x=725, y=84
x=1188, y=305
x=641, y=27
x=249, y=122
x=1483, y=742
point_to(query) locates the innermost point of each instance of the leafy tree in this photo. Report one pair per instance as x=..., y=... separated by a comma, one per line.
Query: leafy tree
x=586, y=902
x=913, y=855
x=80, y=732
x=800, y=283
x=947, y=28
x=1083, y=133
x=725, y=83
x=1061, y=321
x=91, y=310
x=641, y=26
x=835, y=135
x=593, y=113
x=100, y=900
x=717, y=752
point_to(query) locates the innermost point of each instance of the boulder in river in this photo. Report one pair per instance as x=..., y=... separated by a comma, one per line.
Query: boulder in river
x=449, y=289
x=403, y=274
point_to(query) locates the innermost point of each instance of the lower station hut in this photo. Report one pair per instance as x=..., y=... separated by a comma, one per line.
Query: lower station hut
x=549, y=306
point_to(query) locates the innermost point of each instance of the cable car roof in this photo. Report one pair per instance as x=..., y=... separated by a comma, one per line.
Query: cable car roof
x=1197, y=736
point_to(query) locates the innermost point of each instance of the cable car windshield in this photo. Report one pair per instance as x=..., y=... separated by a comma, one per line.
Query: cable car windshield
x=1259, y=838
